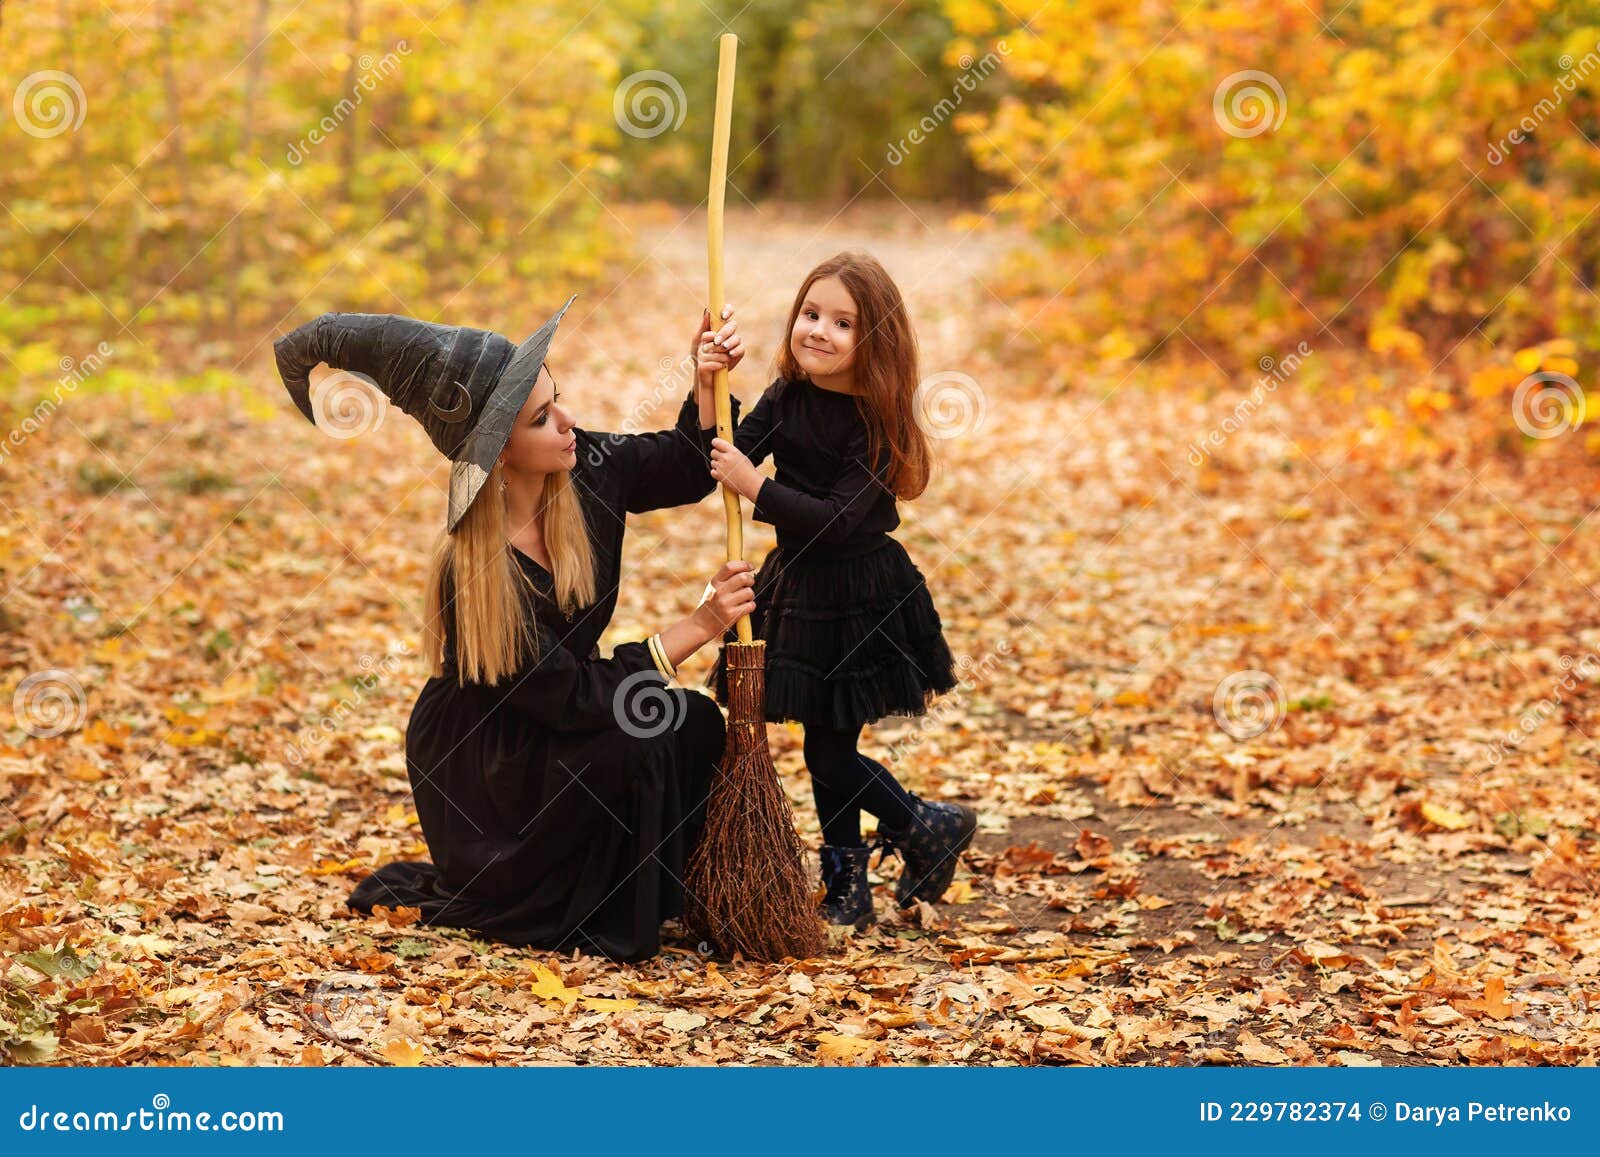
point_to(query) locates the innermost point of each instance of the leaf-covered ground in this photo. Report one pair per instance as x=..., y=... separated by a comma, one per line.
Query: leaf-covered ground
x=1283, y=753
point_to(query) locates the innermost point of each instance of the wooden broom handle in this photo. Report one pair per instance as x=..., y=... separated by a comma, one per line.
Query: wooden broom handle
x=727, y=45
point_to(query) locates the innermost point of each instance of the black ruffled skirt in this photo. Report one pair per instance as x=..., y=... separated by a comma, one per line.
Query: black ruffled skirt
x=850, y=640
x=583, y=842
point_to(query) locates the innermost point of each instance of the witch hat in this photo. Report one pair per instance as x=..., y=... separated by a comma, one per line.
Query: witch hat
x=466, y=386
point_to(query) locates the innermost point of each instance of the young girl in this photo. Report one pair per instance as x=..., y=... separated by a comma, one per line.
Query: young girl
x=851, y=632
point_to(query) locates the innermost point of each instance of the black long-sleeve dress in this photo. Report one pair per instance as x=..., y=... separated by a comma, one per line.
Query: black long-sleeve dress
x=560, y=806
x=852, y=633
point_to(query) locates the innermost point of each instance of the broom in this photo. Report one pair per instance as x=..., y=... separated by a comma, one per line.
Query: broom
x=746, y=885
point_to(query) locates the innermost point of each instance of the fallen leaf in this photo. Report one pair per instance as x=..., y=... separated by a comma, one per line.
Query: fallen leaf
x=681, y=1020
x=1256, y=1051
x=1494, y=1004
x=1442, y=817
x=403, y=1051
x=843, y=1049
x=547, y=985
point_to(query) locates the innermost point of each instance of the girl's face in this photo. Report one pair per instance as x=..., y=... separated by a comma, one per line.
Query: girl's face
x=824, y=337
x=541, y=440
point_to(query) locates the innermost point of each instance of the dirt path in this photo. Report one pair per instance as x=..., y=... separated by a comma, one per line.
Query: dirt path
x=1086, y=523
x=1228, y=723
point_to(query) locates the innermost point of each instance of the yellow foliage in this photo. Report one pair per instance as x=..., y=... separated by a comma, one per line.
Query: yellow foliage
x=1528, y=360
x=970, y=17
x=1403, y=343
x=1244, y=176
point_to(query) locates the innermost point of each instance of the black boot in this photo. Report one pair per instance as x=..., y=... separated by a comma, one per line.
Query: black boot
x=849, y=898
x=929, y=848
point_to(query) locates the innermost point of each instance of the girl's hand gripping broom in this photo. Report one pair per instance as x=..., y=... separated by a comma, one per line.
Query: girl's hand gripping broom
x=746, y=887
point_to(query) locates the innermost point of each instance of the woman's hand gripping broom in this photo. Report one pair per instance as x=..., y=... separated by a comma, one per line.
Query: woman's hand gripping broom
x=746, y=886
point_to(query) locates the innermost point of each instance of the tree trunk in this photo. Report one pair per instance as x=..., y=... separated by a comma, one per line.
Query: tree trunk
x=179, y=152
x=351, y=129
x=245, y=151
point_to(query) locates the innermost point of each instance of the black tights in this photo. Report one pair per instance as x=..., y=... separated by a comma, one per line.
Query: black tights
x=843, y=782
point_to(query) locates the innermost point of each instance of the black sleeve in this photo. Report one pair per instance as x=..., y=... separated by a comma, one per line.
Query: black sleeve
x=565, y=693
x=831, y=519
x=665, y=467
x=753, y=436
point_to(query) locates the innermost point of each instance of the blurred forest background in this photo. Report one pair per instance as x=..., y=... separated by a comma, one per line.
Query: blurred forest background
x=1222, y=180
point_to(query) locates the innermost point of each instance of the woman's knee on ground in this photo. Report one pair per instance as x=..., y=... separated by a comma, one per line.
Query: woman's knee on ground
x=695, y=722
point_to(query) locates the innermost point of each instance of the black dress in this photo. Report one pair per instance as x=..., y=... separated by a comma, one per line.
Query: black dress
x=560, y=806
x=851, y=631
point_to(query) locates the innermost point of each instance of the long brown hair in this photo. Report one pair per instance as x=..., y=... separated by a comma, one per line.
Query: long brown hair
x=885, y=367
x=491, y=626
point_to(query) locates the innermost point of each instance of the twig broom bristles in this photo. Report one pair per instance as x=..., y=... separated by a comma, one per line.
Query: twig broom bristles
x=746, y=885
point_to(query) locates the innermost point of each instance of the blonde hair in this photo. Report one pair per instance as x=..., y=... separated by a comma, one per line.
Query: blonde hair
x=491, y=626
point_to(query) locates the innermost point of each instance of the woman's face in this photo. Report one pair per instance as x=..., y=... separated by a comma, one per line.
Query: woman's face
x=541, y=440
x=823, y=340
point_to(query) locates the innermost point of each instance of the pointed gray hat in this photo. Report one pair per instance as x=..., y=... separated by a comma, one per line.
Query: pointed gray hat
x=465, y=386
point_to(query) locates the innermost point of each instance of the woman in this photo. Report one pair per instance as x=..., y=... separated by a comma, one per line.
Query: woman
x=560, y=793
